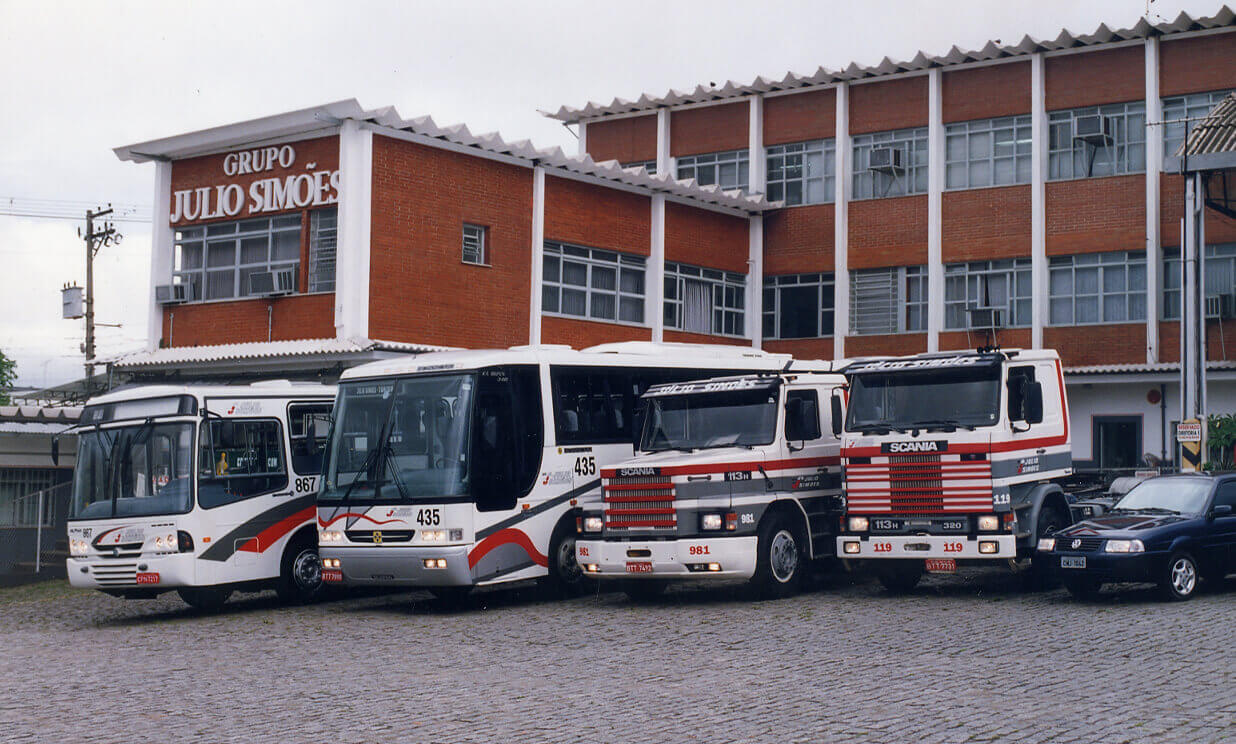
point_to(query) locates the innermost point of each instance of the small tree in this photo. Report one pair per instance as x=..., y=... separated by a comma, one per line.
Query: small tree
x=1221, y=435
x=8, y=375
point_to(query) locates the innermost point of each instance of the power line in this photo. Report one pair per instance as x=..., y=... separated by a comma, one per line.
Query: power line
x=65, y=209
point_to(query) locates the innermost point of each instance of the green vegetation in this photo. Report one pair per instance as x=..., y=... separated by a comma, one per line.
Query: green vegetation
x=8, y=375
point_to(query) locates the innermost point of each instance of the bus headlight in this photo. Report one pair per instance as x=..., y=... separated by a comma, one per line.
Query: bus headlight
x=859, y=524
x=593, y=524
x=330, y=536
x=710, y=521
x=78, y=547
x=988, y=523
x=1124, y=546
x=1047, y=544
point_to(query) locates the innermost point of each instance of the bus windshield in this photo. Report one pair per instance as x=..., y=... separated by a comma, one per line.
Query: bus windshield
x=405, y=439
x=139, y=470
x=926, y=399
x=740, y=418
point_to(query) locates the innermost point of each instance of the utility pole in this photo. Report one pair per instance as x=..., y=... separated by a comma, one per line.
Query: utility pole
x=107, y=235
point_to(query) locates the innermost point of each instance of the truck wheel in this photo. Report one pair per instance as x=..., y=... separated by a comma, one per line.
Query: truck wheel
x=1041, y=577
x=204, y=598
x=300, y=572
x=566, y=578
x=1178, y=580
x=1083, y=587
x=643, y=591
x=779, y=563
x=900, y=577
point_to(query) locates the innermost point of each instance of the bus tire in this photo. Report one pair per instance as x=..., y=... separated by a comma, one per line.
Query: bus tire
x=898, y=576
x=779, y=559
x=204, y=598
x=565, y=577
x=643, y=590
x=300, y=572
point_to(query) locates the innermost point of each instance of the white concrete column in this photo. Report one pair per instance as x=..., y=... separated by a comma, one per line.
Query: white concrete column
x=1154, y=166
x=538, y=254
x=755, y=280
x=665, y=163
x=353, y=244
x=583, y=138
x=841, y=224
x=935, y=208
x=162, y=246
x=758, y=169
x=1039, y=305
x=654, y=277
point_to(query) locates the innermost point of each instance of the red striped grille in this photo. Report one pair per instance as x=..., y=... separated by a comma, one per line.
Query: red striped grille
x=918, y=484
x=642, y=502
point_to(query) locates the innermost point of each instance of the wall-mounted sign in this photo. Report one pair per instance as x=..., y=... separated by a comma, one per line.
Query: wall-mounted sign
x=310, y=189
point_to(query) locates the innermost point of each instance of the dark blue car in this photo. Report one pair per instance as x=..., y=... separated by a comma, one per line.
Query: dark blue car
x=1172, y=531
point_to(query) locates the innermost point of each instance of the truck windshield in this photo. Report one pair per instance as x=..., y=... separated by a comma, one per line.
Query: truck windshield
x=139, y=470
x=400, y=440
x=905, y=400
x=739, y=418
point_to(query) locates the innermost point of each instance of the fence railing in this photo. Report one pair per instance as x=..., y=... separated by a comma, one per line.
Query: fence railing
x=31, y=539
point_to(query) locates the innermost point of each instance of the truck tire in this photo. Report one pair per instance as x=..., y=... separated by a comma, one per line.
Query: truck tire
x=779, y=562
x=300, y=572
x=1041, y=576
x=1178, y=577
x=565, y=578
x=1083, y=587
x=898, y=576
x=204, y=598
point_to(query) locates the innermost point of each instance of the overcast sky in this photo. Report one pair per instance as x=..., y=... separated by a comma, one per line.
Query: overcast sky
x=81, y=78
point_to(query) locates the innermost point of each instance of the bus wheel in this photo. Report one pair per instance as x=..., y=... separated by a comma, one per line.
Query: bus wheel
x=300, y=572
x=779, y=560
x=644, y=590
x=565, y=577
x=204, y=598
x=900, y=577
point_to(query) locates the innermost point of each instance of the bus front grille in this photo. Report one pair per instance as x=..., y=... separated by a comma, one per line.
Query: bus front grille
x=115, y=574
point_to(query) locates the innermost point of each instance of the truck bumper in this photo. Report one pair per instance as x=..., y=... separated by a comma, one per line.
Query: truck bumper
x=159, y=573
x=915, y=547
x=668, y=559
x=399, y=566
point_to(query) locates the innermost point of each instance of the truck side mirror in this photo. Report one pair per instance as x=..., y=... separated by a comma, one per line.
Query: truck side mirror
x=1033, y=406
x=55, y=450
x=838, y=415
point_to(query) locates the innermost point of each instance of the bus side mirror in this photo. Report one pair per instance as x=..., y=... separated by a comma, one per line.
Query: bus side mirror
x=55, y=450
x=1033, y=403
x=838, y=415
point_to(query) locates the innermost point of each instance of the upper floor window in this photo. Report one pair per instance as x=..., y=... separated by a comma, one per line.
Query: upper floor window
x=592, y=283
x=798, y=306
x=802, y=173
x=890, y=163
x=704, y=300
x=323, y=237
x=475, y=245
x=987, y=285
x=648, y=165
x=1097, y=141
x=730, y=170
x=888, y=300
x=1097, y=288
x=1220, y=277
x=987, y=152
x=218, y=260
x=1179, y=110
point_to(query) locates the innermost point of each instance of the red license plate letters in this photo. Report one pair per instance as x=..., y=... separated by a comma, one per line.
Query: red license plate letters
x=332, y=576
x=639, y=566
x=941, y=565
x=147, y=578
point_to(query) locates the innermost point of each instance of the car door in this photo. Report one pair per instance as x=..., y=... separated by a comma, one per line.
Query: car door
x=1223, y=529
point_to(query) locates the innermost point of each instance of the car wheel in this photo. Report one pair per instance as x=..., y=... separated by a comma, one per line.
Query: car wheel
x=900, y=577
x=1179, y=579
x=204, y=598
x=1083, y=587
x=300, y=573
x=779, y=563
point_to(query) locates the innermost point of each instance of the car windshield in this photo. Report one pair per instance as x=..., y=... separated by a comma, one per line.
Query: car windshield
x=1182, y=495
x=924, y=398
x=727, y=419
x=139, y=470
x=404, y=440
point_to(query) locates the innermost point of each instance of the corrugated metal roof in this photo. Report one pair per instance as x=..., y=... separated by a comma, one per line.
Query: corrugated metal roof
x=1115, y=369
x=29, y=428
x=1215, y=134
x=40, y=414
x=262, y=350
x=921, y=61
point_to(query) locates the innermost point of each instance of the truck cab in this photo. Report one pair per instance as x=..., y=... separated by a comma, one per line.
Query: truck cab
x=733, y=478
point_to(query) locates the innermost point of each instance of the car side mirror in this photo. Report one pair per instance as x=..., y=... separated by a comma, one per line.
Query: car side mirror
x=1221, y=510
x=838, y=415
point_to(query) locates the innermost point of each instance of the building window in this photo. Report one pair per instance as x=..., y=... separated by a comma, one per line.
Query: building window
x=729, y=170
x=987, y=152
x=475, y=245
x=1178, y=109
x=908, y=177
x=892, y=300
x=219, y=259
x=323, y=237
x=798, y=306
x=592, y=283
x=1220, y=276
x=998, y=285
x=1097, y=288
x=1121, y=150
x=704, y=300
x=802, y=173
x=648, y=165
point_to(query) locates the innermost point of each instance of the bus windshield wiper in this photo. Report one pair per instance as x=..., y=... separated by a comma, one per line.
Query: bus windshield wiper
x=362, y=473
x=388, y=464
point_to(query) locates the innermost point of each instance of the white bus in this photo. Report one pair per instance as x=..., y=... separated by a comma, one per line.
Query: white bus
x=204, y=489
x=452, y=470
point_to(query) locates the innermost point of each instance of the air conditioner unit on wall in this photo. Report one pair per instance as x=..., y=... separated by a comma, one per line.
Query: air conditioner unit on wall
x=272, y=283
x=171, y=294
x=285, y=281
x=1220, y=307
x=1095, y=130
x=885, y=160
x=985, y=317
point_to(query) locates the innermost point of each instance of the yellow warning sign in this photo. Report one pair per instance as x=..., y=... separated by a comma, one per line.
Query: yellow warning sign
x=1190, y=434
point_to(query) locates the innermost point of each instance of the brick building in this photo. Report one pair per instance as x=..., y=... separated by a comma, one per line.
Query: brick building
x=898, y=208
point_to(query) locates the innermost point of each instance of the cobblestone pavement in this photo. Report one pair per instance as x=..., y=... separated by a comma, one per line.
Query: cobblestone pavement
x=964, y=659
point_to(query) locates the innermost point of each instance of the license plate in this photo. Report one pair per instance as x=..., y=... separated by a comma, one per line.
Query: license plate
x=147, y=578
x=332, y=576
x=1072, y=561
x=941, y=565
x=639, y=566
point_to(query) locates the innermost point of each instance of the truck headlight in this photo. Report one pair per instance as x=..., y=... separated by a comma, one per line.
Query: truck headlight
x=1047, y=544
x=1124, y=546
x=711, y=521
x=329, y=536
x=988, y=523
x=593, y=524
x=78, y=547
x=988, y=547
x=859, y=524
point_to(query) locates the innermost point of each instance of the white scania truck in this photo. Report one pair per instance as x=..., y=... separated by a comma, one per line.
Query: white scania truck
x=953, y=458
x=733, y=477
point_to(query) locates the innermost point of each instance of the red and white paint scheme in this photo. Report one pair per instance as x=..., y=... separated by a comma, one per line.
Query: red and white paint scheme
x=202, y=489
x=450, y=470
x=735, y=478
x=953, y=457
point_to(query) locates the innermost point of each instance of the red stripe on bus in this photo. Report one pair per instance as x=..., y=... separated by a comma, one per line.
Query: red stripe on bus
x=273, y=533
x=508, y=536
